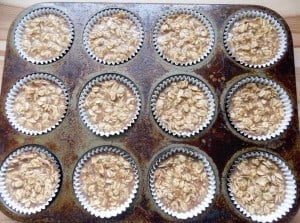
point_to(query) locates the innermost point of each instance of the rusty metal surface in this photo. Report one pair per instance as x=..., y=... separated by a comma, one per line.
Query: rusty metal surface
x=71, y=139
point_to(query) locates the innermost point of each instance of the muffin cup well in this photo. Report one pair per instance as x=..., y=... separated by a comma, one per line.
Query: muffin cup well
x=35, y=14
x=9, y=103
x=107, y=77
x=199, y=17
x=290, y=188
x=77, y=182
x=4, y=193
x=284, y=98
x=211, y=190
x=193, y=81
x=257, y=14
x=108, y=12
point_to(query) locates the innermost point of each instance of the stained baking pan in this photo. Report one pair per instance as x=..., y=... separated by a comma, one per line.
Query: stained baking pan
x=219, y=144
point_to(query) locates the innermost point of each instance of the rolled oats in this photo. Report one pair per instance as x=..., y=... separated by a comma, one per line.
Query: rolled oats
x=45, y=37
x=106, y=181
x=181, y=182
x=256, y=109
x=183, y=38
x=253, y=40
x=114, y=38
x=31, y=178
x=258, y=185
x=182, y=106
x=110, y=105
x=38, y=105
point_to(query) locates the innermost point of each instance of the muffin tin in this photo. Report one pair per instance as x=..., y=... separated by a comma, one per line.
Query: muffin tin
x=145, y=140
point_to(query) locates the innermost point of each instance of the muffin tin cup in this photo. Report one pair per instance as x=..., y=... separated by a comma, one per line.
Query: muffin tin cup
x=34, y=14
x=287, y=106
x=9, y=103
x=195, y=14
x=108, y=12
x=81, y=197
x=253, y=14
x=106, y=77
x=4, y=194
x=290, y=188
x=205, y=203
x=191, y=80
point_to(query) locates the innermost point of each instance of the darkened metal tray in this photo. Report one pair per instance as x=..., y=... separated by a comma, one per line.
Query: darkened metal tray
x=71, y=139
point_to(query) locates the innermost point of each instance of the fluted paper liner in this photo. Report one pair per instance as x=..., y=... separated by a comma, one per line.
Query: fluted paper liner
x=191, y=80
x=106, y=77
x=290, y=189
x=287, y=106
x=108, y=12
x=9, y=108
x=211, y=190
x=5, y=195
x=34, y=14
x=81, y=197
x=253, y=14
x=195, y=14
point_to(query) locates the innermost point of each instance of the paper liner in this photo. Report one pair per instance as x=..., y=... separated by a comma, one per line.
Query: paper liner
x=200, y=208
x=34, y=14
x=81, y=197
x=9, y=108
x=253, y=14
x=108, y=12
x=106, y=77
x=4, y=193
x=195, y=14
x=191, y=80
x=287, y=104
x=290, y=190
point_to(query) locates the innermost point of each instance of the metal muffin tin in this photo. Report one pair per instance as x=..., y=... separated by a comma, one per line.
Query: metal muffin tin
x=145, y=139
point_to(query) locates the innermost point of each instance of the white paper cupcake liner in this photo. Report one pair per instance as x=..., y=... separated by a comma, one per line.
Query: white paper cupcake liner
x=287, y=104
x=290, y=189
x=106, y=77
x=200, y=208
x=253, y=14
x=5, y=195
x=191, y=80
x=9, y=103
x=82, y=198
x=108, y=12
x=195, y=14
x=34, y=14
